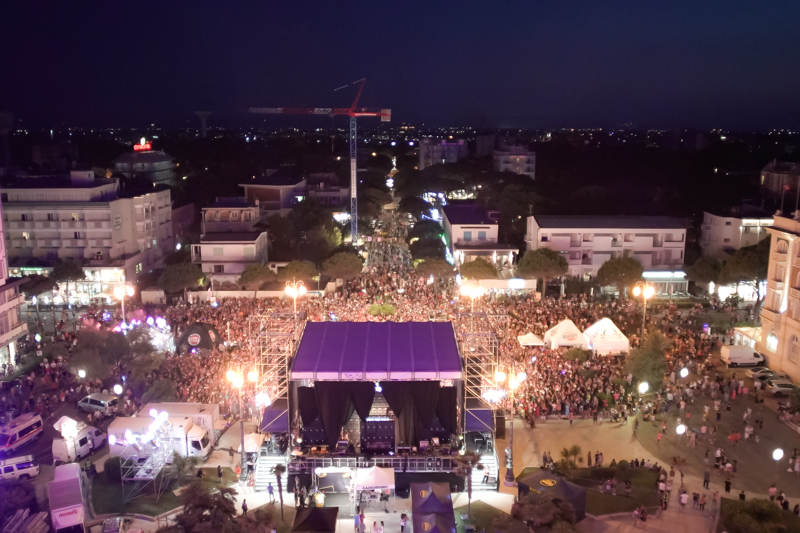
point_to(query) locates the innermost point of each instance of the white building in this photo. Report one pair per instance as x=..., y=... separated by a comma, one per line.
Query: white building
x=229, y=241
x=516, y=159
x=780, y=178
x=144, y=163
x=587, y=242
x=470, y=233
x=724, y=234
x=11, y=327
x=779, y=338
x=281, y=191
x=438, y=151
x=115, y=235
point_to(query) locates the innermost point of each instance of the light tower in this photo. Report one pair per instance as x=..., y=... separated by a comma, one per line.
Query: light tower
x=203, y=116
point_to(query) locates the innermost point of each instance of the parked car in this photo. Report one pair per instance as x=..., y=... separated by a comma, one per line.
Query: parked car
x=765, y=377
x=22, y=430
x=23, y=467
x=98, y=401
x=780, y=387
x=753, y=372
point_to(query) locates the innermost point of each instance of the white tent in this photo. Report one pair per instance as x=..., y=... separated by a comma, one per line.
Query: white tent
x=252, y=442
x=529, y=339
x=375, y=478
x=565, y=333
x=605, y=338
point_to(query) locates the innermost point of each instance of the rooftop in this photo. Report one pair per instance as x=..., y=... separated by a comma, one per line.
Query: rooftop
x=782, y=167
x=610, y=222
x=232, y=201
x=150, y=156
x=58, y=182
x=280, y=178
x=742, y=213
x=466, y=214
x=233, y=236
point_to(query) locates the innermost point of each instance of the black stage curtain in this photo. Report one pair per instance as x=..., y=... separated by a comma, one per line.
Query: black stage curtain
x=398, y=396
x=307, y=404
x=425, y=395
x=446, y=409
x=362, y=394
x=335, y=407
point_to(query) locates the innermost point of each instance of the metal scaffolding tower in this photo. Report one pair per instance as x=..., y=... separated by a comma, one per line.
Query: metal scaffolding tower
x=273, y=340
x=478, y=344
x=145, y=460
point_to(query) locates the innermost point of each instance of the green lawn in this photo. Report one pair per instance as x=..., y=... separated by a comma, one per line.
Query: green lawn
x=481, y=516
x=108, y=497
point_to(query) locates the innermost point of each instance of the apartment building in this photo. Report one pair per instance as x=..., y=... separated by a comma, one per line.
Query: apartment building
x=724, y=233
x=471, y=233
x=780, y=179
x=114, y=234
x=516, y=159
x=438, y=151
x=779, y=338
x=280, y=191
x=12, y=328
x=587, y=242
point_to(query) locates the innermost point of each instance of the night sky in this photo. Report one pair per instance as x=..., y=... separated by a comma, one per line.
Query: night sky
x=703, y=64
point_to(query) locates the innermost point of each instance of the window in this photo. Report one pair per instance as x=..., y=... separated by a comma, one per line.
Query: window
x=544, y=238
x=23, y=217
x=726, y=240
x=246, y=216
x=793, y=346
x=138, y=267
x=219, y=269
x=26, y=235
x=468, y=236
x=772, y=342
x=782, y=247
x=27, y=464
x=728, y=223
x=75, y=217
x=217, y=252
x=196, y=444
x=481, y=235
x=8, y=469
x=52, y=216
x=83, y=442
x=77, y=234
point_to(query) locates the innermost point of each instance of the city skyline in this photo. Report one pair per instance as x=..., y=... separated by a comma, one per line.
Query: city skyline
x=481, y=64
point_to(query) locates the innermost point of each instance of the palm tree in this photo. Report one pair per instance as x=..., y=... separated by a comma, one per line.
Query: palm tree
x=538, y=507
x=278, y=470
x=183, y=467
x=572, y=456
x=466, y=464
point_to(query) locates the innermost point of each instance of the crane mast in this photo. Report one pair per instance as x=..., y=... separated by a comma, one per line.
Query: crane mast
x=353, y=112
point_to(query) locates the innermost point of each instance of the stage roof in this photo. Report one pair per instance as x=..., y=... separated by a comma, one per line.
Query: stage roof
x=353, y=351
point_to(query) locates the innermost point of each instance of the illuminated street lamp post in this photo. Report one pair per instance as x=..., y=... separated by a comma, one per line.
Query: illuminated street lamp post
x=513, y=382
x=237, y=379
x=294, y=289
x=777, y=454
x=124, y=288
x=473, y=290
x=646, y=290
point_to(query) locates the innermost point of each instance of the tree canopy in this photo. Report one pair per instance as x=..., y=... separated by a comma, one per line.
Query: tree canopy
x=621, y=272
x=438, y=268
x=649, y=361
x=749, y=265
x=414, y=206
x=99, y=351
x=343, y=265
x=542, y=263
x=705, y=270
x=66, y=271
x=427, y=248
x=38, y=285
x=297, y=269
x=479, y=268
x=180, y=277
x=255, y=276
x=424, y=229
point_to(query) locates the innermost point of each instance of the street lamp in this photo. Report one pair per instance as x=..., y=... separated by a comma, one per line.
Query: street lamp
x=644, y=387
x=681, y=429
x=513, y=383
x=777, y=454
x=237, y=379
x=684, y=372
x=646, y=290
x=81, y=373
x=120, y=291
x=473, y=290
x=117, y=389
x=294, y=289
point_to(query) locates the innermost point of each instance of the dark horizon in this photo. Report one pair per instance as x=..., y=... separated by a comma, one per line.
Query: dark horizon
x=537, y=65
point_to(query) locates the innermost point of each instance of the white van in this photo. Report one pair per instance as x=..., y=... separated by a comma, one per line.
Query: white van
x=84, y=444
x=734, y=356
x=107, y=403
x=19, y=432
x=23, y=467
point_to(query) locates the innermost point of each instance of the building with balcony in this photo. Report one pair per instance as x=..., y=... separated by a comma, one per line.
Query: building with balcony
x=587, y=242
x=438, y=151
x=12, y=328
x=154, y=166
x=780, y=178
x=114, y=234
x=779, y=339
x=724, y=233
x=470, y=233
x=280, y=191
x=516, y=159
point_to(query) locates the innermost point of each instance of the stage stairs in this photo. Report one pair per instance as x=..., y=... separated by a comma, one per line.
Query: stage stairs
x=488, y=460
x=264, y=474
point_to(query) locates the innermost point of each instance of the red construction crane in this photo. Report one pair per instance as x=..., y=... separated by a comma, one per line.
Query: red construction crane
x=353, y=112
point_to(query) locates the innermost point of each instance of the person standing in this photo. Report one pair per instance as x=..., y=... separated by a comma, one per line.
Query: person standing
x=728, y=486
x=271, y=492
x=219, y=474
x=706, y=478
x=244, y=507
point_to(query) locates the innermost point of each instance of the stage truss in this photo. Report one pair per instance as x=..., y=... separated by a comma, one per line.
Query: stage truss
x=479, y=346
x=145, y=461
x=273, y=340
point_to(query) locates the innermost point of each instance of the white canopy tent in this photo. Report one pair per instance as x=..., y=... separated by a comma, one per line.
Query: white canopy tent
x=605, y=338
x=375, y=478
x=565, y=333
x=529, y=339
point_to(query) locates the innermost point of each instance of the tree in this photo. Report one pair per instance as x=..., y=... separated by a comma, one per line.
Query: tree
x=37, y=286
x=749, y=265
x=382, y=309
x=113, y=469
x=649, y=361
x=255, y=276
x=542, y=263
x=577, y=354
x=479, y=268
x=424, y=229
x=279, y=470
x=180, y=277
x=414, y=206
x=204, y=511
x=99, y=351
x=538, y=508
x=438, y=268
x=16, y=495
x=297, y=269
x=183, y=467
x=66, y=271
x=427, y=248
x=466, y=464
x=343, y=265
x=704, y=271
x=621, y=272
x=572, y=456
x=504, y=523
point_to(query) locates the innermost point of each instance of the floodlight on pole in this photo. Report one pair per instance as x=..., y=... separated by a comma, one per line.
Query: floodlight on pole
x=295, y=289
x=681, y=429
x=646, y=290
x=644, y=387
